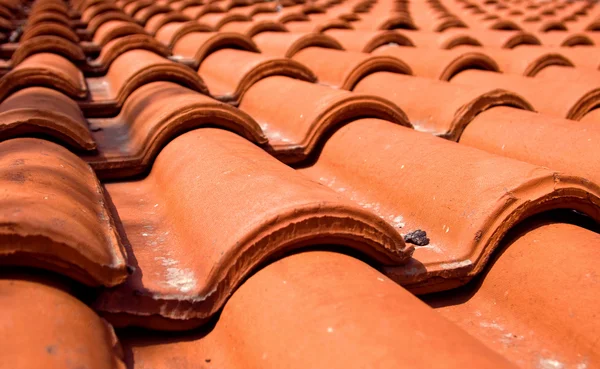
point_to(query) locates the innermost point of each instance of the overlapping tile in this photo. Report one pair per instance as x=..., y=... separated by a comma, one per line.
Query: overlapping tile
x=184, y=273
x=200, y=202
x=55, y=214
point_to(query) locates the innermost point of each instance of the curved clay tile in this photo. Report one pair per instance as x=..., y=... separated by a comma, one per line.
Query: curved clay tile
x=527, y=61
x=317, y=26
x=447, y=40
x=102, y=18
x=285, y=44
x=537, y=139
x=296, y=131
x=583, y=57
x=130, y=71
x=197, y=46
x=390, y=22
x=54, y=214
x=170, y=33
x=555, y=25
x=253, y=28
x=94, y=10
x=506, y=39
x=134, y=7
x=229, y=73
x=143, y=15
x=159, y=20
x=420, y=99
x=566, y=40
x=591, y=117
x=218, y=20
x=344, y=69
x=342, y=306
x=367, y=41
x=439, y=64
x=53, y=17
x=45, y=29
x=500, y=25
x=119, y=46
x=42, y=111
x=195, y=12
x=284, y=16
x=44, y=69
x=188, y=272
x=152, y=116
x=111, y=30
x=415, y=170
x=67, y=332
x=562, y=276
x=548, y=93
x=48, y=44
x=182, y=5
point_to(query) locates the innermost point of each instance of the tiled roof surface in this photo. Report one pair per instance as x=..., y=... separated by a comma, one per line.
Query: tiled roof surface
x=299, y=184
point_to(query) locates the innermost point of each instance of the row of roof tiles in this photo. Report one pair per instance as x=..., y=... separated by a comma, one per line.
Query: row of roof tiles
x=383, y=183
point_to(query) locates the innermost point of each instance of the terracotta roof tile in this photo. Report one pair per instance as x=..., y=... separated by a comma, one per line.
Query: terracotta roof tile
x=229, y=73
x=36, y=110
x=440, y=64
x=420, y=97
x=55, y=215
x=67, y=332
x=130, y=71
x=294, y=132
x=183, y=285
x=323, y=295
x=547, y=95
x=224, y=165
x=45, y=69
x=426, y=173
x=344, y=69
x=517, y=324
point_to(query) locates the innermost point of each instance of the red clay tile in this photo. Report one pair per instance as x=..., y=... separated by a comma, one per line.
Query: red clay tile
x=130, y=71
x=170, y=33
x=384, y=22
x=367, y=41
x=591, y=117
x=102, y=18
x=143, y=15
x=55, y=329
x=44, y=69
x=49, y=28
x=537, y=139
x=111, y=30
x=132, y=8
x=113, y=49
x=349, y=316
x=439, y=64
x=54, y=214
x=565, y=39
x=50, y=44
x=294, y=131
x=508, y=308
x=317, y=26
x=546, y=94
x=229, y=73
x=285, y=44
x=284, y=16
x=195, y=12
x=157, y=21
x=40, y=110
x=344, y=69
x=47, y=16
x=420, y=99
x=405, y=177
x=218, y=20
x=253, y=28
x=583, y=57
x=94, y=10
x=527, y=61
x=195, y=47
x=150, y=118
x=447, y=40
x=185, y=272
